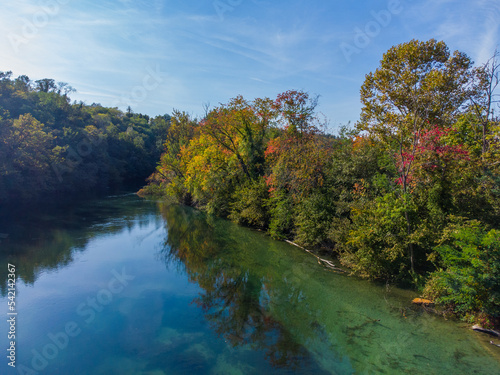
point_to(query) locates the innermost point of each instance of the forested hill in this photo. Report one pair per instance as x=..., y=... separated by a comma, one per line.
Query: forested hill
x=50, y=146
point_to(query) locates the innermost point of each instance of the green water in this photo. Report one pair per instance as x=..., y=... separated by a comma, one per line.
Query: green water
x=127, y=286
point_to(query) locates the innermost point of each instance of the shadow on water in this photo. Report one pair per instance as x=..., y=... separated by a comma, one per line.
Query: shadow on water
x=235, y=298
x=46, y=237
x=212, y=297
x=272, y=297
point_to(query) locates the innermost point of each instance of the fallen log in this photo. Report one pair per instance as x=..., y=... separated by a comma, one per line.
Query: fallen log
x=321, y=261
x=484, y=330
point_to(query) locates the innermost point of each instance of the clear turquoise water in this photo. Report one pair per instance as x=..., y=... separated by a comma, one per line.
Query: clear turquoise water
x=149, y=288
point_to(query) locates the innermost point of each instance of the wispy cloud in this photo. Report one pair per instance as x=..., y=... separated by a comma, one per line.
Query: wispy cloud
x=104, y=47
x=469, y=26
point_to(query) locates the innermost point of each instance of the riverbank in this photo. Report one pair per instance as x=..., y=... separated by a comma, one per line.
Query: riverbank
x=443, y=309
x=219, y=296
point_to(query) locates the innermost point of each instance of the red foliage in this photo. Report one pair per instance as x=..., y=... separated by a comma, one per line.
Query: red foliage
x=272, y=147
x=431, y=141
x=431, y=152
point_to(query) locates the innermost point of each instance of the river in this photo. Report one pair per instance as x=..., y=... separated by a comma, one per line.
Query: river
x=123, y=285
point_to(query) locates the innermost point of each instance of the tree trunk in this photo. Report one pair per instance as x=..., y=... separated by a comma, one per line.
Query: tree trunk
x=408, y=225
x=410, y=245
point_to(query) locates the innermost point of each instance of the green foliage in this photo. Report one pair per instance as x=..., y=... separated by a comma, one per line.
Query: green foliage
x=469, y=275
x=379, y=196
x=249, y=205
x=281, y=225
x=312, y=220
x=49, y=145
x=377, y=242
x=169, y=175
x=416, y=81
x=28, y=154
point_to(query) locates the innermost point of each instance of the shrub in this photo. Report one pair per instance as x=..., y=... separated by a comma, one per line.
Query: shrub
x=312, y=220
x=281, y=209
x=469, y=280
x=377, y=242
x=249, y=205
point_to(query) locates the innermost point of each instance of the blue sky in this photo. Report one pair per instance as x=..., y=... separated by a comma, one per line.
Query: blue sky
x=159, y=55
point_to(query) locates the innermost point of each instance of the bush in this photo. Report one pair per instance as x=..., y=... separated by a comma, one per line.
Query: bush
x=312, y=220
x=469, y=280
x=377, y=242
x=249, y=205
x=282, y=213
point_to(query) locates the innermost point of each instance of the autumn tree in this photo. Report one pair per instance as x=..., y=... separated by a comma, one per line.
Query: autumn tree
x=296, y=160
x=169, y=175
x=180, y=132
x=240, y=128
x=297, y=112
x=418, y=85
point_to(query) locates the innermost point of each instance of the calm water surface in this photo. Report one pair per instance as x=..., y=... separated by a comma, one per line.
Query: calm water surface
x=127, y=286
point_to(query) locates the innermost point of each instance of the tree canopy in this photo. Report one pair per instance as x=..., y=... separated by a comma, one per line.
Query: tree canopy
x=410, y=195
x=50, y=145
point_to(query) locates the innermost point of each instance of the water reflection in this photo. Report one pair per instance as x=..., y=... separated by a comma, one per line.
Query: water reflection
x=230, y=300
x=268, y=296
x=235, y=298
x=47, y=238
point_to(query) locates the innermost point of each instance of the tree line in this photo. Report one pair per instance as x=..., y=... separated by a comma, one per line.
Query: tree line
x=50, y=146
x=411, y=194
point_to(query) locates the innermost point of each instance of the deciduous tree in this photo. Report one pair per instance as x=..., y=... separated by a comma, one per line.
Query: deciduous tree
x=418, y=84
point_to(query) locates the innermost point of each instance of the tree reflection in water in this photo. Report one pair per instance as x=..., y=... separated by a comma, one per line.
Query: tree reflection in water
x=235, y=298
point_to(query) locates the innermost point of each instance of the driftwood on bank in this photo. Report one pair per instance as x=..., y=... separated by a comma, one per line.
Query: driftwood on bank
x=484, y=330
x=321, y=261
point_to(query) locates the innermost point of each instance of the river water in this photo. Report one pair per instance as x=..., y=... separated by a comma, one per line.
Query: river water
x=123, y=285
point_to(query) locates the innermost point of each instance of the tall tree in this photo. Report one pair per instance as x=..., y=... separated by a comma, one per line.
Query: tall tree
x=240, y=128
x=46, y=85
x=486, y=81
x=297, y=111
x=418, y=85
x=179, y=134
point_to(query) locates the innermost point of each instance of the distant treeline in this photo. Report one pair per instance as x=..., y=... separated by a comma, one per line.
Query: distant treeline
x=49, y=145
x=412, y=194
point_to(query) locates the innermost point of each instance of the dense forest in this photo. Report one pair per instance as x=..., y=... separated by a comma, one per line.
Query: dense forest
x=410, y=195
x=49, y=146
